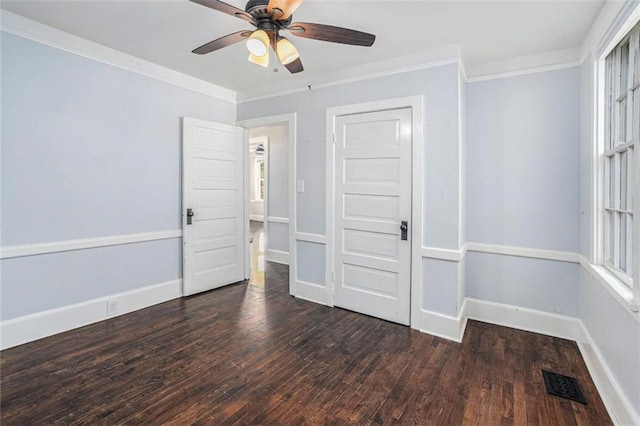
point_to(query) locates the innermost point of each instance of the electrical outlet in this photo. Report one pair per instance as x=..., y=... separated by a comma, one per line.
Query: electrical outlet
x=112, y=307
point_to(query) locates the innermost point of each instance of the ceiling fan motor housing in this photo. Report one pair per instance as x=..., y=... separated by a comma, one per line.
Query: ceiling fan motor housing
x=259, y=10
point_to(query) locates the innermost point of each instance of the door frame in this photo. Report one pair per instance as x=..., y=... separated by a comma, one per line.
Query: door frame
x=273, y=120
x=415, y=103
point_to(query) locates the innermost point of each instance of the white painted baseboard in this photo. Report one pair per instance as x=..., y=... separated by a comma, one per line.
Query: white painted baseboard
x=447, y=327
x=28, y=328
x=277, y=256
x=524, y=319
x=618, y=405
x=256, y=217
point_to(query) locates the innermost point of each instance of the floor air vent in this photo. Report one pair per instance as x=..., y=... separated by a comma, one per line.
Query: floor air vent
x=563, y=386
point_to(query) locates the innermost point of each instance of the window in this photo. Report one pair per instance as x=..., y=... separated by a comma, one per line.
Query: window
x=621, y=136
x=259, y=178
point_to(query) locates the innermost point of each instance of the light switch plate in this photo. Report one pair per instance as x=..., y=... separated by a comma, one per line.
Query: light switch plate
x=300, y=185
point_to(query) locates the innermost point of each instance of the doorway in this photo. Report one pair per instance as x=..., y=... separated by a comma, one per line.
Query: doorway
x=269, y=199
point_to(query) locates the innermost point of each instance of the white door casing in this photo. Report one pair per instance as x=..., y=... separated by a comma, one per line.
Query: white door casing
x=213, y=186
x=372, y=197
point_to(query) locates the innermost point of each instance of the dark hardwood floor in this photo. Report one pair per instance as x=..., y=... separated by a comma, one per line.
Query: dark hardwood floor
x=254, y=355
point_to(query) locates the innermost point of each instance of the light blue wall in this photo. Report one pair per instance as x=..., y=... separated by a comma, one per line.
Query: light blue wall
x=39, y=283
x=88, y=150
x=615, y=332
x=586, y=131
x=523, y=165
x=538, y=284
x=440, y=88
x=523, y=187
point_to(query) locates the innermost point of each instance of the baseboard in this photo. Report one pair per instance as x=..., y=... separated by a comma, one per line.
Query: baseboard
x=312, y=293
x=619, y=407
x=277, y=256
x=524, y=319
x=28, y=328
x=256, y=217
x=447, y=327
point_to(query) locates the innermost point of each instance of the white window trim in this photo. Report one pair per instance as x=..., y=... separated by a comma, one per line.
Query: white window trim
x=257, y=162
x=630, y=296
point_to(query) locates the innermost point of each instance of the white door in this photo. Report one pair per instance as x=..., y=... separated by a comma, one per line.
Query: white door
x=212, y=204
x=372, y=262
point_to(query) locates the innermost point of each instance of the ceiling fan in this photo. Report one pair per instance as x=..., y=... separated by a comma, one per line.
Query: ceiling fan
x=270, y=17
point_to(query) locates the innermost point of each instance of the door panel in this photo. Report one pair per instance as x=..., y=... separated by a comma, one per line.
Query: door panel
x=372, y=197
x=213, y=187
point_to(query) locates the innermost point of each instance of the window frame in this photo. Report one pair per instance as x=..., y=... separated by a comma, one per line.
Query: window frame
x=621, y=136
x=260, y=179
x=627, y=288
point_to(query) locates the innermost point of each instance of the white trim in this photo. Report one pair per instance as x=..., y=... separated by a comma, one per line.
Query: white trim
x=443, y=254
x=311, y=238
x=548, y=61
x=417, y=120
x=273, y=219
x=622, y=22
x=256, y=217
x=49, y=36
x=524, y=319
x=277, y=256
x=32, y=327
x=10, y=252
x=462, y=120
x=436, y=57
x=617, y=404
x=526, y=71
x=559, y=256
x=291, y=121
x=444, y=326
x=613, y=285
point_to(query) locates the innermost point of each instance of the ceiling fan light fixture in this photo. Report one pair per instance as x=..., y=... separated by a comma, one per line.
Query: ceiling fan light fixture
x=286, y=51
x=263, y=60
x=258, y=43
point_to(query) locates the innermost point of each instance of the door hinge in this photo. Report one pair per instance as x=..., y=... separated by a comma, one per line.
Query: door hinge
x=334, y=138
x=333, y=277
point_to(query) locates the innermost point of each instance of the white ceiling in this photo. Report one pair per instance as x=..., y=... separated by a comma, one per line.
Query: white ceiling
x=165, y=32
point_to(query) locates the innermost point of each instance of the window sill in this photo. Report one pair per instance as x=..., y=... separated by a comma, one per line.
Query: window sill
x=620, y=291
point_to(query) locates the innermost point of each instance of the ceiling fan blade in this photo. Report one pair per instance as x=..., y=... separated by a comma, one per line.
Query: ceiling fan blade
x=226, y=8
x=282, y=9
x=222, y=42
x=332, y=34
x=295, y=66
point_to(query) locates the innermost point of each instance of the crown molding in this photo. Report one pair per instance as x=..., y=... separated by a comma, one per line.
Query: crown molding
x=512, y=67
x=523, y=65
x=427, y=59
x=44, y=34
x=608, y=24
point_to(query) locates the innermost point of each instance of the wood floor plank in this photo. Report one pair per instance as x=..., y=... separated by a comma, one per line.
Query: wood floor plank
x=249, y=354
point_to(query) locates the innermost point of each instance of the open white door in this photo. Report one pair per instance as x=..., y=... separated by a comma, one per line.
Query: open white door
x=213, y=205
x=372, y=263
